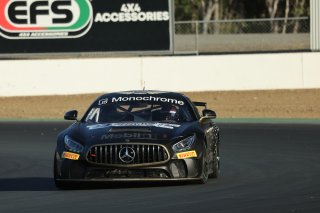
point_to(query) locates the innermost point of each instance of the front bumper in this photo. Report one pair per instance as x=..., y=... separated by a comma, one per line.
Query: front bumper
x=172, y=170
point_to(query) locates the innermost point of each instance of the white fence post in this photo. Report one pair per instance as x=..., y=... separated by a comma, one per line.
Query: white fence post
x=315, y=25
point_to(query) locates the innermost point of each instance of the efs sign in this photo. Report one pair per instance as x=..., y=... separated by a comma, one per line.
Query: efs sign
x=86, y=26
x=36, y=19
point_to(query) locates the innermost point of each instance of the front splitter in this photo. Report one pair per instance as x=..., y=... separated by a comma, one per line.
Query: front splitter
x=104, y=180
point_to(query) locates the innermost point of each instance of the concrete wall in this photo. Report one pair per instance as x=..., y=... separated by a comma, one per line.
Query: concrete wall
x=180, y=73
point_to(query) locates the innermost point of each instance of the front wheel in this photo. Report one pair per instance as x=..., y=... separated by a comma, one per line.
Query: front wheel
x=59, y=183
x=215, y=163
x=204, y=174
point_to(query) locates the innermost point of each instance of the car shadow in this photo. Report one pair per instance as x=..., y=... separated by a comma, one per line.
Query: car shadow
x=47, y=184
x=122, y=185
x=27, y=184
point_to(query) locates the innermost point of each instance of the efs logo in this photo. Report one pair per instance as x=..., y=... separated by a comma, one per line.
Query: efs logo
x=41, y=19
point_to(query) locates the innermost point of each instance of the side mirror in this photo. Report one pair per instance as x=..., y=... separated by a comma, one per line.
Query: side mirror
x=209, y=113
x=71, y=115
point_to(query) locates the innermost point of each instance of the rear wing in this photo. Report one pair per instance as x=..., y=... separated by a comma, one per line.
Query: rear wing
x=200, y=104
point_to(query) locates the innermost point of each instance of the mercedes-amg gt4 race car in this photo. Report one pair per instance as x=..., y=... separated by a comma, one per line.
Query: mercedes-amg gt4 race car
x=139, y=136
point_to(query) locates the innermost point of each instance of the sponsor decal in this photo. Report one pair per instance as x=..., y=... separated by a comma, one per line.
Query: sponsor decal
x=189, y=154
x=98, y=126
x=70, y=156
x=135, y=135
x=146, y=98
x=147, y=124
x=132, y=12
x=43, y=19
x=144, y=124
x=103, y=101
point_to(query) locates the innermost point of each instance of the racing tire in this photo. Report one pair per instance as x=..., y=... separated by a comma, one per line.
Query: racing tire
x=62, y=185
x=215, y=163
x=59, y=183
x=204, y=175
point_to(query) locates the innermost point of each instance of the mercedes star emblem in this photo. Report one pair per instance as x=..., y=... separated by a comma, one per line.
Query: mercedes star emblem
x=127, y=154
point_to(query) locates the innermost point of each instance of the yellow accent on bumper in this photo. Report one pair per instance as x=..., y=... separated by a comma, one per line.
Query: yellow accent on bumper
x=70, y=156
x=189, y=154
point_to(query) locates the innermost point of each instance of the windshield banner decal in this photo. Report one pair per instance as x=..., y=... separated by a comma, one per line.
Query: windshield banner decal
x=140, y=98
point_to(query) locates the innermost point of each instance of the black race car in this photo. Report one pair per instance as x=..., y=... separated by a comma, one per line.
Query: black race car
x=139, y=136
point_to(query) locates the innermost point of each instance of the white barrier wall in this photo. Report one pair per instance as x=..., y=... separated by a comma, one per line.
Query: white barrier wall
x=180, y=73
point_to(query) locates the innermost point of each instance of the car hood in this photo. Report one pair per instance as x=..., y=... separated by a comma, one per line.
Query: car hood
x=90, y=134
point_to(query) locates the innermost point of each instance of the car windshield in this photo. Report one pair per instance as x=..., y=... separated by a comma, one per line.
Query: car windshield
x=138, y=112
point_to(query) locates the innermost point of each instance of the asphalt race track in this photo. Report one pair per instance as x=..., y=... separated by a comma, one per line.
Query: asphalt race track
x=265, y=168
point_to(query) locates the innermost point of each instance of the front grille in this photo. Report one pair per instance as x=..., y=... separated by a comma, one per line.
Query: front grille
x=108, y=154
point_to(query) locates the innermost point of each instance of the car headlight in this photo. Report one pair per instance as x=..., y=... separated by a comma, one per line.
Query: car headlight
x=71, y=145
x=184, y=144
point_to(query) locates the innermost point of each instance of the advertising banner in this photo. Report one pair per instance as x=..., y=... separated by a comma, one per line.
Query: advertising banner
x=85, y=26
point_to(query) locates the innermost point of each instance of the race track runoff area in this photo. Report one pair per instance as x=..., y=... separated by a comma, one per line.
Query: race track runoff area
x=302, y=103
